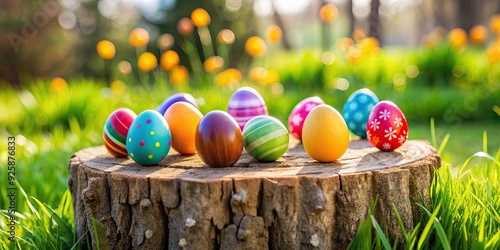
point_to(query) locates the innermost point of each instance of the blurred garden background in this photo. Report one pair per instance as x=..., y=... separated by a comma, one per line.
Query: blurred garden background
x=65, y=65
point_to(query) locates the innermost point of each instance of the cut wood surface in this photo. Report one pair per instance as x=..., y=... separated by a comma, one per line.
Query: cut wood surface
x=293, y=203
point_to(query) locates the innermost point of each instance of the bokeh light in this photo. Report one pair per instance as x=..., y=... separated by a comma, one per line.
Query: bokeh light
x=344, y=43
x=106, y=49
x=200, y=17
x=263, y=76
x=165, y=41
x=478, y=34
x=412, y=71
x=124, y=67
x=358, y=35
x=369, y=45
x=495, y=23
x=226, y=36
x=147, y=62
x=169, y=59
x=118, y=87
x=274, y=34
x=185, y=26
x=328, y=58
x=342, y=84
x=354, y=53
x=328, y=13
x=139, y=37
x=179, y=75
x=457, y=38
x=255, y=46
x=213, y=64
x=228, y=77
x=493, y=53
x=58, y=85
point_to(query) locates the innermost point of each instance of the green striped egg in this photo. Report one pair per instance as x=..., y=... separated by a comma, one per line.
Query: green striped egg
x=265, y=138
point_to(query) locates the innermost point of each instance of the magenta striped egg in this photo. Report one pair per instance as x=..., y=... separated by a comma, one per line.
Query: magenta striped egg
x=245, y=104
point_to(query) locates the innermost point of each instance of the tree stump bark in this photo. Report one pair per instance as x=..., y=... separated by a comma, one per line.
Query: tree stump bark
x=293, y=203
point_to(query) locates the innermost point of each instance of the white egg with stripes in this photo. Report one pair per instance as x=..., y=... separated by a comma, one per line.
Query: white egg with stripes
x=265, y=138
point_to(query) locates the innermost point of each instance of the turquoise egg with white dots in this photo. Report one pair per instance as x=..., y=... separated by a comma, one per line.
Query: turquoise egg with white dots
x=149, y=138
x=265, y=138
x=357, y=109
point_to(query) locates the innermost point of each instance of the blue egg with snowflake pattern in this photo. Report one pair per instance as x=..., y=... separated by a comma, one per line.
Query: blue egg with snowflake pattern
x=357, y=109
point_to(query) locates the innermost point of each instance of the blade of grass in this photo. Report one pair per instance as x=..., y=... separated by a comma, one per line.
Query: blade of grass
x=96, y=235
x=380, y=233
x=77, y=243
x=400, y=223
x=494, y=242
x=480, y=236
x=461, y=172
x=60, y=222
x=413, y=237
x=32, y=208
x=485, y=141
x=491, y=210
x=42, y=207
x=437, y=225
x=433, y=133
x=443, y=143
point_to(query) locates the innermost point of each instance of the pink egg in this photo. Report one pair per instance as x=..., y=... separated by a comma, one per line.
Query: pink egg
x=387, y=128
x=245, y=104
x=299, y=114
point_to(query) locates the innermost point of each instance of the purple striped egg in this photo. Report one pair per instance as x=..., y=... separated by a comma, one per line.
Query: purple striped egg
x=245, y=104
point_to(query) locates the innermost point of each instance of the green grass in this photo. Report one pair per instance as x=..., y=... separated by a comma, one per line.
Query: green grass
x=464, y=213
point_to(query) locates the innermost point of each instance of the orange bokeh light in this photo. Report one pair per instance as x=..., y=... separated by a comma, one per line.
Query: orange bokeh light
x=328, y=13
x=228, y=77
x=200, y=17
x=169, y=59
x=179, y=75
x=255, y=46
x=274, y=34
x=106, y=50
x=457, y=38
x=138, y=37
x=147, y=62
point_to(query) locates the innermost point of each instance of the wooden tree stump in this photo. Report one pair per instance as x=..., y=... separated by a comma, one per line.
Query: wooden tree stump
x=293, y=203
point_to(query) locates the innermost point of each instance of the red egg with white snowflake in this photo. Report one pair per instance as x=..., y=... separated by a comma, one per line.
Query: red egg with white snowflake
x=299, y=114
x=387, y=128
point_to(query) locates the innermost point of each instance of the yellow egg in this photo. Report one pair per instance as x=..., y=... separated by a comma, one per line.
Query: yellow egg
x=183, y=118
x=325, y=135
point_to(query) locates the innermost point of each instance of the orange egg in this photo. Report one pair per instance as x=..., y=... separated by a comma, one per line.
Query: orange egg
x=183, y=118
x=325, y=135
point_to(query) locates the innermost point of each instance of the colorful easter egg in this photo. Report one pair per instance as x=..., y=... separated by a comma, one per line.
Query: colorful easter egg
x=149, y=138
x=357, y=109
x=218, y=139
x=182, y=119
x=265, y=138
x=179, y=97
x=325, y=135
x=299, y=114
x=115, y=131
x=387, y=128
x=245, y=104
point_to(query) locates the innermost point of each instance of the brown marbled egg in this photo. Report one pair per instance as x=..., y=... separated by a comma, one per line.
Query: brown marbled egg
x=218, y=140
